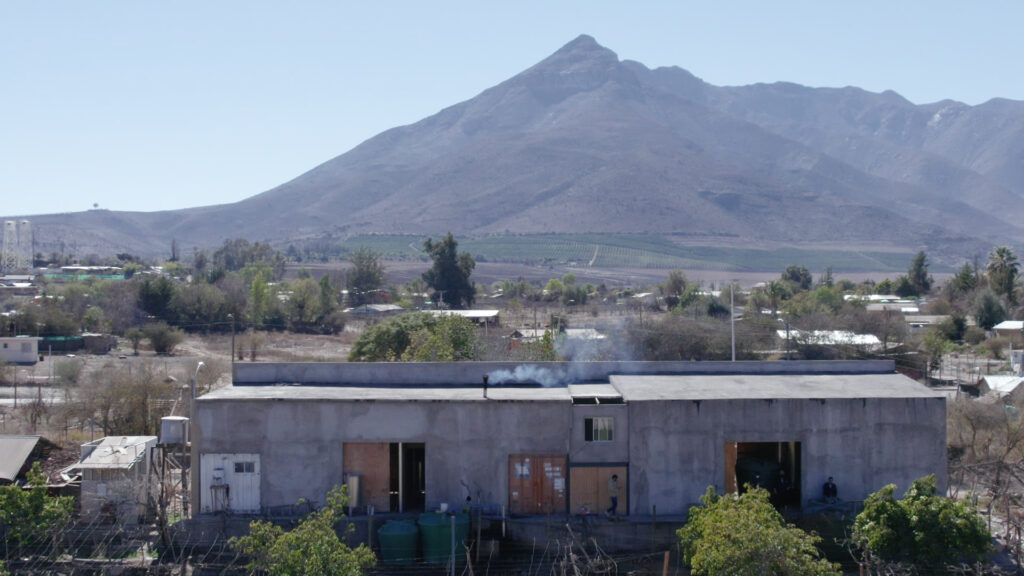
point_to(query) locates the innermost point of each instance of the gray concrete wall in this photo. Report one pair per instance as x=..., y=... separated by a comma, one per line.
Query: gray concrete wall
x=583, y=452
x=677, y=448
x=300, y=442
x=471, y=373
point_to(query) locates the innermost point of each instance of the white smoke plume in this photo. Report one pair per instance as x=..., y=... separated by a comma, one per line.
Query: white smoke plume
x=527, y=373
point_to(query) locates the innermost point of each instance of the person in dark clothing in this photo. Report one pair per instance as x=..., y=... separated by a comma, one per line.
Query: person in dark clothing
x=829, y=491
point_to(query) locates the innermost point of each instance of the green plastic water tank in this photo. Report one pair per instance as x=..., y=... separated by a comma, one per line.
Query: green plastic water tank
x=435, y=535
x=398, y=539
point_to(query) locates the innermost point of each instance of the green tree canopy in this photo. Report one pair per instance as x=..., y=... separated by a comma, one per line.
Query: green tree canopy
x=923, y=529
x=965, y=280
x=743, y=535
x=449, y=339
x=988, y=310
x=449, y=276
x=310, y=549
x=918, y=274
x=419, y=337
x=1003, y=269
x=799, y=277
x=365, y=278
x=32, y=517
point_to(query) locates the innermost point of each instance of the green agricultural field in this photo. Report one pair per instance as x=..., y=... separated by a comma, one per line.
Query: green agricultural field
x=635, y=251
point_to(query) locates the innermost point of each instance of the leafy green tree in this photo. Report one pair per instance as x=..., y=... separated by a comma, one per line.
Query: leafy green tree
x=135, y=336
x=388, y=340
x=94, y=320
x=675, y=284
x=259, y=301
x=1003, y=269
x=197, y=307
x=312, y=548
x=450, y=273
x=918, y=274
x=988, y=310
x=155, y=296
x=799, y=277
x=365, y=277
x=923, y=529
x=32, y=518
x=743, y=535
x=905, y=288
x=305, y=306
x=449, y=339
x=965, y=280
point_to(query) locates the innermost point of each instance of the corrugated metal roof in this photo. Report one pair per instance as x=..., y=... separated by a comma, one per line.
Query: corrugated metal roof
x=114, y=452
x=1003, y=384
x=14, y=451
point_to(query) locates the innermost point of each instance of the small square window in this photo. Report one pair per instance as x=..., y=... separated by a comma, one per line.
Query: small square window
x=598, y=429
x=245, y=467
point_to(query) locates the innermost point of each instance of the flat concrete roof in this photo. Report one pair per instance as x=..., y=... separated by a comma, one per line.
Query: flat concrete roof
x=593, y=391
x=391, y=393
x=778, y=387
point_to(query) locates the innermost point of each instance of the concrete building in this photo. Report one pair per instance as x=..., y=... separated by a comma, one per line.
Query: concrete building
x=116, y=477
x=546, y=437
x=19, y=349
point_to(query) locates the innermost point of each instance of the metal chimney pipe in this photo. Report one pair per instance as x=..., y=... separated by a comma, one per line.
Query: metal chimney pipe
x=485, y=385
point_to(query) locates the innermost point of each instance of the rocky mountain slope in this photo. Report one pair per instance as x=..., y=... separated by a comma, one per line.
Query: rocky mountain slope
x=584, y=142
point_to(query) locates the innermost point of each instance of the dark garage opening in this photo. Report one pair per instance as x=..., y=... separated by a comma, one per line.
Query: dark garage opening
x=408, y=476
x=774, y=466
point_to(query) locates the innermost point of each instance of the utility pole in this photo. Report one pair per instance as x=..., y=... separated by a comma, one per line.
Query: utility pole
x=732, y=320
x=232, y=318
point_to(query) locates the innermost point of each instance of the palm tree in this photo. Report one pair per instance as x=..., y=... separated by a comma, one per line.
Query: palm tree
x=1002, y=269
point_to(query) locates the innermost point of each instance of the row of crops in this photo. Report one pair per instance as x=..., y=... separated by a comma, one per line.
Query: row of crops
x=633, y=251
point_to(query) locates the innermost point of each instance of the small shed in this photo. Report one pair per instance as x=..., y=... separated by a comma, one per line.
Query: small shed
x=1011, y=329
x=19, y=349
x=115, y=477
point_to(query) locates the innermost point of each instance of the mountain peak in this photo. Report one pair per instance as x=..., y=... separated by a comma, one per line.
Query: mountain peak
x=579, y=66
x=583, y=47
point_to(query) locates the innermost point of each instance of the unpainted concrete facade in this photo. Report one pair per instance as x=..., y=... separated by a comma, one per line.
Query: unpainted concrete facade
x=859, y=422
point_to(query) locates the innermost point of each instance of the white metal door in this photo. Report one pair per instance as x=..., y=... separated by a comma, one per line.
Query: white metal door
x=230, y=482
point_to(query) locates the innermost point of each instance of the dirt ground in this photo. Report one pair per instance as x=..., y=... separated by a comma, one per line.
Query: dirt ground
x=33, y=402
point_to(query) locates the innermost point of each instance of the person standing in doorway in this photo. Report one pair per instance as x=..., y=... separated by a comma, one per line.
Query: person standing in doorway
x=613, y=493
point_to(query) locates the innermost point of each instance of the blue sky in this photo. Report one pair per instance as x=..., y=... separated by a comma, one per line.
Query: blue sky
x=147, y=105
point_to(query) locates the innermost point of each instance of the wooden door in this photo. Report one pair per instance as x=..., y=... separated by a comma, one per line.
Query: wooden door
x=537, y=483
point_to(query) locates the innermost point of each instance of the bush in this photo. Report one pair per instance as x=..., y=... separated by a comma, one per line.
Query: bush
x=162, y=337
x=923, y=529
x=974, y=335
x=996, y=346
x=744, y=535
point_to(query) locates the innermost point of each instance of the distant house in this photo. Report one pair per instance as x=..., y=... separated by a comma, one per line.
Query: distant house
x=917, y=323
x=18, y=452
x=999, y=386
x=19, y=349
x=819, y=344
x=489, y=317
x=1011, y=329
x=115, y=477
x=376, y=310
x=903, y=307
